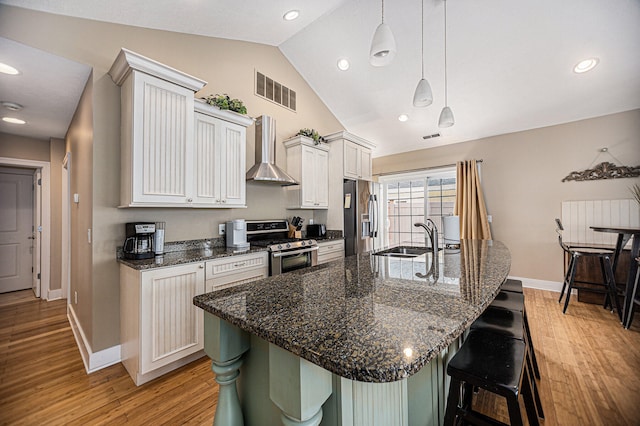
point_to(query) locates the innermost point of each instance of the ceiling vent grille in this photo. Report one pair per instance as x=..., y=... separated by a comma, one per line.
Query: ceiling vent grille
x=273, y=91
x=435, y=135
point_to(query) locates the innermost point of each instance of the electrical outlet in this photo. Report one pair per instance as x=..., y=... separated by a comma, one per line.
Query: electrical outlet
x=221, y=228
x=75, y=296
x=489, y=218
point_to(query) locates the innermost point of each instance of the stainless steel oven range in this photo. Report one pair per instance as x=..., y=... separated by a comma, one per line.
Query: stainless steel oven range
x=285, y=254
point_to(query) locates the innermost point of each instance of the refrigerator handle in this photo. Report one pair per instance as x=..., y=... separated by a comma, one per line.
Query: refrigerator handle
x=374, y=213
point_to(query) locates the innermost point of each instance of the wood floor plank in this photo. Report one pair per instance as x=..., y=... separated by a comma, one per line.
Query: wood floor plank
x=590, y=370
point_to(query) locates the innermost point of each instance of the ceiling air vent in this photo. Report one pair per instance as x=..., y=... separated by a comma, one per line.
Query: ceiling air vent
x=435, y=135
x=275, y=92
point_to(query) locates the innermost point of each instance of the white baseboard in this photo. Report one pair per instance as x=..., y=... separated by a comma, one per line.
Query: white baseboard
x=540, y=284
x=55, y=294
x=93, y=361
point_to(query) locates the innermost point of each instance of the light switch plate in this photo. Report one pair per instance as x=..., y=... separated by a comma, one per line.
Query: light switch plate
x=221, y=228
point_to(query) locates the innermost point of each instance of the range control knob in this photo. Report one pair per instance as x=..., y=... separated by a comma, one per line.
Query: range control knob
x=279, y=246
x=288, y=245
x=302, y=243
x=310, y=242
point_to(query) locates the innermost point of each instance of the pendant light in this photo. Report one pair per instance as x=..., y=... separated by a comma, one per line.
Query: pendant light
x=383, y=45
x=423, y=96
x=446, y=116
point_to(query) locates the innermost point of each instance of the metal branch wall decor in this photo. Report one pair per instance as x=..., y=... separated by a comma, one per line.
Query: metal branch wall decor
x=604, y=170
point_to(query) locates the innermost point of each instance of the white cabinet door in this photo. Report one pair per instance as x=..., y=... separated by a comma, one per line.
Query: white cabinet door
x=308, y=182
x=309, y=165
x=171, y=325
x=207, y=154
x=220, y=163
x=322, y=179
x=233, y=165
x=365, y=164
x=351, y=160
x=162, y=127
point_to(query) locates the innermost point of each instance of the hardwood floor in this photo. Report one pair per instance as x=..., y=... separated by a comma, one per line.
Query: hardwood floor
x=43, y=380
x=590, y=370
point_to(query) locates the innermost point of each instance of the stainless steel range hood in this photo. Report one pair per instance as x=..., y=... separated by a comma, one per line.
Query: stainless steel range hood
x=265, y=169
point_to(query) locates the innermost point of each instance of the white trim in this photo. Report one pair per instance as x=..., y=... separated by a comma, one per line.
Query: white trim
x=128, y=60
x=54, y=294
x=45, y=258
x=92, y=361
x=540, y=284
x=65, y=240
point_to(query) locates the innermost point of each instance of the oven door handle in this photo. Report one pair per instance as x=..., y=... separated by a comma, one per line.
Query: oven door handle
x=287, y=253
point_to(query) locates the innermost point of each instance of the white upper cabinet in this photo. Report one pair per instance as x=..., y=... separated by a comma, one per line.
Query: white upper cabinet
x=351, y=154
x=220, y=160
x=170, y=158
x=309, y=165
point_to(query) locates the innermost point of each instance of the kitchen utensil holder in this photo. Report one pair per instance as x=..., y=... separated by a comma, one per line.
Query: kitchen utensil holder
x=293, y=233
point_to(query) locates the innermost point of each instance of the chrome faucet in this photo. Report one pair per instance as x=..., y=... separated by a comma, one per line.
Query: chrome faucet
x=432, y=231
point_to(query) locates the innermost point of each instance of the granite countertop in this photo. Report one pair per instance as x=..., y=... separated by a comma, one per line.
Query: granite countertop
x=185, y=256
x=369, y=318
x=182, y=252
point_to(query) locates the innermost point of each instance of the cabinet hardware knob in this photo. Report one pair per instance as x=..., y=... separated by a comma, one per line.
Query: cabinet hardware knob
x=224, y=201
x=201, y=266
x=189, y=200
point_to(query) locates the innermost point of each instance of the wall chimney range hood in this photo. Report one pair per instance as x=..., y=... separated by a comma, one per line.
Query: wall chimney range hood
x=265, y=169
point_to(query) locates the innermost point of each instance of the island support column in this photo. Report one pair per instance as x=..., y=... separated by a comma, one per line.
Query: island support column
x=297, y=387
x=225, y=344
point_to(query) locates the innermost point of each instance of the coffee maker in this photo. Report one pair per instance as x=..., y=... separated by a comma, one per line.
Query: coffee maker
x=138, y=243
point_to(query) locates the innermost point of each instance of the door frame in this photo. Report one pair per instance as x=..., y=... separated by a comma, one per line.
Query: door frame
x=45, y=203
x=65, y=280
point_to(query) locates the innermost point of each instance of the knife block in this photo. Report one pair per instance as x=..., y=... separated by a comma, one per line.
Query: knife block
x=293, y=233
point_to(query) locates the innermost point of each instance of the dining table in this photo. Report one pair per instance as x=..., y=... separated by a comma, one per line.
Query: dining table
x=624, y=235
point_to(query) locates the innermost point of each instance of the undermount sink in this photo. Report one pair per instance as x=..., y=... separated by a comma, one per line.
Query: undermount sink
x=403, y=252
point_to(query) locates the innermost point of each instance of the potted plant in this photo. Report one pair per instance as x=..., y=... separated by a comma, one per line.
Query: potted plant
x=225, y=102
x=311, y=133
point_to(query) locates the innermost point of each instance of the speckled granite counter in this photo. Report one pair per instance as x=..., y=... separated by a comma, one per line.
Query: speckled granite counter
x=186, y=256
x=368, y=318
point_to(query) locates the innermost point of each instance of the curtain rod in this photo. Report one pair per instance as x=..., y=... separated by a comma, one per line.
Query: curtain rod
x=420, y=170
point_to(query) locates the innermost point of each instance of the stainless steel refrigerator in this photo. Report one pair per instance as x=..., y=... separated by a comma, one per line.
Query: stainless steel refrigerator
x=361, y=216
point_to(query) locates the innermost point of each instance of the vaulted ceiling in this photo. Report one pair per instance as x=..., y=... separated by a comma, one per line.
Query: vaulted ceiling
x=510, y=63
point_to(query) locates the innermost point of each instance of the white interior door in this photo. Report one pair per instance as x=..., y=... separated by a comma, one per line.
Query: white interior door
x=16, y=221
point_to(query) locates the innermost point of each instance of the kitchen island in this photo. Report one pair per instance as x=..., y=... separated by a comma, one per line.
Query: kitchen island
x=363, y=340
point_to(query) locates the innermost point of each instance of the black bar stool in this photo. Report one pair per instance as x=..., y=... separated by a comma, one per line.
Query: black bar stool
x=509, y=323
x=608, y=280
x=496, y=363
x=515, y=302
x=513, y=286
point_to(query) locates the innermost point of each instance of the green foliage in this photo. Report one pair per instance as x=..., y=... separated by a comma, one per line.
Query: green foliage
x=225, y=102
x=311, y=133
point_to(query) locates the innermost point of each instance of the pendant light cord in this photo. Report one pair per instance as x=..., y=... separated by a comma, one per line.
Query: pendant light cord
x=383, y=11
x=422, y=39
x=446, y=102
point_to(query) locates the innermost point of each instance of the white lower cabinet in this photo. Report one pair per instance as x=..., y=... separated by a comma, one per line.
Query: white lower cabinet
x=330, y=250
x=161, y=329
x=235, y=270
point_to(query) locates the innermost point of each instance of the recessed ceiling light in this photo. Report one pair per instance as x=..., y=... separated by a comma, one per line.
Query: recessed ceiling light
x=403, y=117
x=586, y=65
x=13, y=120
x=291, y=15
x=8, y=69
x=343, y=64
